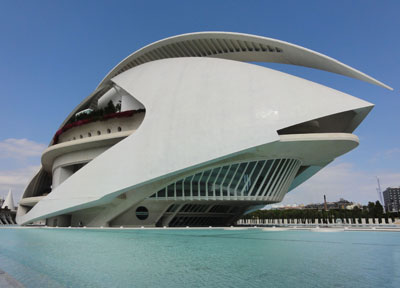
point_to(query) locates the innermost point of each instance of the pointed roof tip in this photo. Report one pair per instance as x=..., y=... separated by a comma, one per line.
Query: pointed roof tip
x=9, y=202
x=381, y=84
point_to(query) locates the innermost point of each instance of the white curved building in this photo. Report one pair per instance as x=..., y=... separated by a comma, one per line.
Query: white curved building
x=202, y=136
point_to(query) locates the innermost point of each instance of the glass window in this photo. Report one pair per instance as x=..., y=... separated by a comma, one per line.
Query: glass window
x=171, y=191
x=179, y=189
x=187, y=186
x=142, y=213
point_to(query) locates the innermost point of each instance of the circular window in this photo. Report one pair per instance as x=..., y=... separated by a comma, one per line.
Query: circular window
x=80, y=136
x=89, y=134
x=98, y=133
x=108, y=131
x=142, y=213
x=119, y=129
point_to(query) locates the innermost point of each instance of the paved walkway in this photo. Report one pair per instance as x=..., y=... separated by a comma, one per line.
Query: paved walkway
x=6, y=281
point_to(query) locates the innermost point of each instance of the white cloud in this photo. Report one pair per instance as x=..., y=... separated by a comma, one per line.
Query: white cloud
x=20, y=148
x=389, y=154
x=16, y=180
x=342, y=180
x=392, y=152
x=19, y=162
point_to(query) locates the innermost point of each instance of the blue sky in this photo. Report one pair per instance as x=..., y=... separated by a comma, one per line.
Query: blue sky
x=54, y=53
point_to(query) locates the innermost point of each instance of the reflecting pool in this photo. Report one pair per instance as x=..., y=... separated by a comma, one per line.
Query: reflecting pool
x=199, y=258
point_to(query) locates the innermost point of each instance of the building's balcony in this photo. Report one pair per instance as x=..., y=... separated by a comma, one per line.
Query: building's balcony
x=93, y=126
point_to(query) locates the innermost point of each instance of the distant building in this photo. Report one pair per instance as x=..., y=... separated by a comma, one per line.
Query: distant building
x=341, y=204
x=391, y=197
x=9, y=202
x=7, y=210
x=288, y=207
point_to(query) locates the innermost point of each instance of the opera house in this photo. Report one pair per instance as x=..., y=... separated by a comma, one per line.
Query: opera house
x=188, y=131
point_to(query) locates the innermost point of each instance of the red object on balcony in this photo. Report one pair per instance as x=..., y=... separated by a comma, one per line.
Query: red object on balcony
x=68, y=126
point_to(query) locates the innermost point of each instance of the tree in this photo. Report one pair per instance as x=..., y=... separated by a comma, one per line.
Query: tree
x=110, y=109
x=378, y=208
x=371, y=209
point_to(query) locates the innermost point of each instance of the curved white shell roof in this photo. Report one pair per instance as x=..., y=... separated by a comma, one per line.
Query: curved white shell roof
x=236, y=46
x=191, y=109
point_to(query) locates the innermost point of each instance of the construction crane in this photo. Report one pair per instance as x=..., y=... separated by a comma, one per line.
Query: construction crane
x=379, y=191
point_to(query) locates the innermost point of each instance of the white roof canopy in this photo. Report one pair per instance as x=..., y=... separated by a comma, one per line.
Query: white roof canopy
x=240, y=47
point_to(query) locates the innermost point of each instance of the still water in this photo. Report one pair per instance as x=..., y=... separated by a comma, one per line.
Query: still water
x=200, y=258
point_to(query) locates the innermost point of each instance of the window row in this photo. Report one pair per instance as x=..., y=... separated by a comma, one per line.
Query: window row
x=264, y=178
x=89, y=134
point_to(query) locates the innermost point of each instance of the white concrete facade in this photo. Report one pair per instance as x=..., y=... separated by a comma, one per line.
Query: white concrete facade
x=218, y=138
